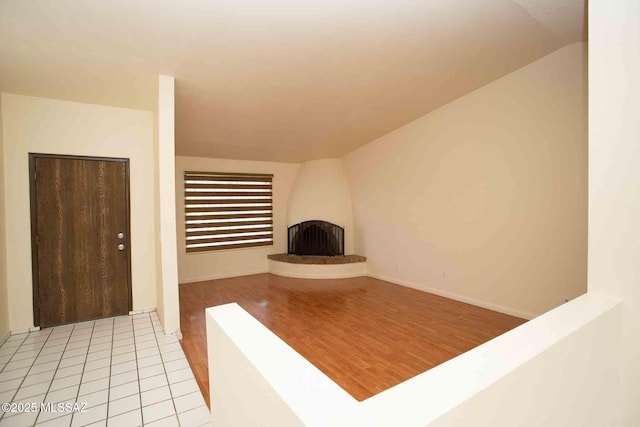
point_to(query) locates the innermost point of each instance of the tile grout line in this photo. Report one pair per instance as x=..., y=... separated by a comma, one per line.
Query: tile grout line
x=113, y=330
x=164, y=368
x=109, y=401
x=57, y=367
x=2, y=416
x=6, y=339
x=30, y=367
x=93, y=328
x=15, y=351
x=4, y=370
x=152, y=376
x=135, y=350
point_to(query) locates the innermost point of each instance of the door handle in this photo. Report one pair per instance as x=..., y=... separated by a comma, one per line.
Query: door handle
x=121, y=247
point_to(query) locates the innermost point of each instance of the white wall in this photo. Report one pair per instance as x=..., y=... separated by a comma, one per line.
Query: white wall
x=321, y=192
x=257, y=379
x=575, y=382
x=166, y=251
x=560, y=369
x=484, y=199
x=196, y=266
x=156, y=219
x=614, y=172
x=4, y=291
x=50, y=126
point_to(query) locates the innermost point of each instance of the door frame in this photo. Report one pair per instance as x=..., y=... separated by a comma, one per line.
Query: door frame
x=34, y=222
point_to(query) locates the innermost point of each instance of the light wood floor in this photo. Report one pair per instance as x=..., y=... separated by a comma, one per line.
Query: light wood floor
x=366, y=334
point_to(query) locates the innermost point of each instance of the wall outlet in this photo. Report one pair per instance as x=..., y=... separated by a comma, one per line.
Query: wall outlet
x=444, y=275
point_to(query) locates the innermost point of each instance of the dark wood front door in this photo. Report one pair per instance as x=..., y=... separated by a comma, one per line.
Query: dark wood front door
x=80, y=238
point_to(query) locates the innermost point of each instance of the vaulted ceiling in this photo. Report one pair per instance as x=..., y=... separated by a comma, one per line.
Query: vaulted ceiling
x=280, y=80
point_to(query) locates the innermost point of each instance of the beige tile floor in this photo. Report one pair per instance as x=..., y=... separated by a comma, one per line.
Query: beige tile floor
x=121, y=371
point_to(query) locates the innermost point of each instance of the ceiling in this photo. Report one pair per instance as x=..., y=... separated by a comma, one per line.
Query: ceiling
x=279, y=80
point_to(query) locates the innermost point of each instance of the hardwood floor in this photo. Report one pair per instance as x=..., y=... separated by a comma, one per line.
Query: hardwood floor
x=366, y=334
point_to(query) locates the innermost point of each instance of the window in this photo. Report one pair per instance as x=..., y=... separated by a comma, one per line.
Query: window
x=227, y=210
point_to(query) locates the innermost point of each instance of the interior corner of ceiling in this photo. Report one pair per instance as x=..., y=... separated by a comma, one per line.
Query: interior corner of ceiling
x=566, y=20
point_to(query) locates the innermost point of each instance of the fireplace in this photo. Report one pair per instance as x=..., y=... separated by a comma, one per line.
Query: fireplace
x=315, y=238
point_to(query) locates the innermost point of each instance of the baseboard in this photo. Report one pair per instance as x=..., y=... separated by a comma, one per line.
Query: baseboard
x=461, y=298
x=142, y=311
x=221, y=276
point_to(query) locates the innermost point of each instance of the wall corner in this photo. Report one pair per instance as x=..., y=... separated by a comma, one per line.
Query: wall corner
x=166, y=253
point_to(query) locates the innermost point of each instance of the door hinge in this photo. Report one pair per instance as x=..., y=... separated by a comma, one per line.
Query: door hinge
x=37, y=240
x=35, y=176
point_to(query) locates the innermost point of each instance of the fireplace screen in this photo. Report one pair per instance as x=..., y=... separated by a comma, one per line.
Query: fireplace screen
x=315, y=238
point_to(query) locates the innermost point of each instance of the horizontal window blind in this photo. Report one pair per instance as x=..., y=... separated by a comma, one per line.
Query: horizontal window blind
x=227, y=210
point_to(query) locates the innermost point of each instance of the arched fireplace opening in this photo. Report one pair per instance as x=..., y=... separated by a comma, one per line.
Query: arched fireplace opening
x=316, y=238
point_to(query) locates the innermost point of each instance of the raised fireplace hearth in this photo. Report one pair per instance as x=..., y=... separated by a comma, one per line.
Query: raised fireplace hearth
x=315, y=238
x=317, y=266
x=317, y=260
